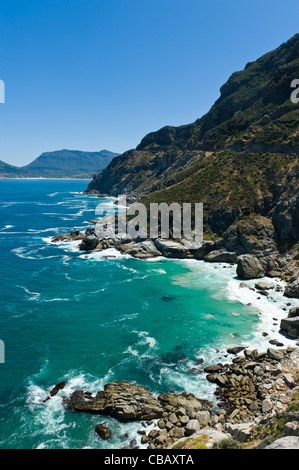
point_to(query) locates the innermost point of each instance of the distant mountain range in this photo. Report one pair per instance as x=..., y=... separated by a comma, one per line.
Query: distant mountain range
x=60, y=164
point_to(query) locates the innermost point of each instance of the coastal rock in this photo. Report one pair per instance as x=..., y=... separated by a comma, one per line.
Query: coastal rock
x=263, y=286
x=290, y=327
x=204, y=438
x=88, y=244
x=267, y=405
x=274, y=354
x=250, y=267
x=240, y=432
x=288, y=442
x=184, y=400
x=141, y=250
x=122, y=400
x=293, y=312
x=58, y=386
x=203, y=417
x=291, y=429
x=235, y=350
x=220, y=256
x=103, y=431
x=171, y=249
x=192, y=427
x=199, y=252
x=292, y=289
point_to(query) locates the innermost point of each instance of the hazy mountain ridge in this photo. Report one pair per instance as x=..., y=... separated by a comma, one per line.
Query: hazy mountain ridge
x=59, y=164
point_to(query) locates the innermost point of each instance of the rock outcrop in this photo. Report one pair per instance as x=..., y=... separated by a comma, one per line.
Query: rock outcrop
x=122, y=400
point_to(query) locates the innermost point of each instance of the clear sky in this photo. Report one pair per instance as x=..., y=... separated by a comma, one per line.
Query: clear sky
x=101, y=74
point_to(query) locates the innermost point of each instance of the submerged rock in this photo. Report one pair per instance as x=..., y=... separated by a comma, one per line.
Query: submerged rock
x=103, y=431
x=58, y=386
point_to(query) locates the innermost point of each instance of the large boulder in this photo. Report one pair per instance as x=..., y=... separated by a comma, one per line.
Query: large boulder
x=240, y=432
x=171, y=249
x=103, y=431
x=292, y=289
x=250, y=267
x=263, y=286
x=204, y=438
x=221, y=256
x=122, y=400
x=88, y=244
x=199, y=251
x=141, y=250
x=288, y=442
x=290, y=327
x=293, y=312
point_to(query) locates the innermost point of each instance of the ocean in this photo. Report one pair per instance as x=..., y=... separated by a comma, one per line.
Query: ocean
x=92, y=318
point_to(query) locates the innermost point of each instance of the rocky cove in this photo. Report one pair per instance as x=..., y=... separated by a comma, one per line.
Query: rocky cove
x=253, y=388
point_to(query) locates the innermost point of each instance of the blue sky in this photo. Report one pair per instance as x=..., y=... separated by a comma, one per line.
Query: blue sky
x=95, y=74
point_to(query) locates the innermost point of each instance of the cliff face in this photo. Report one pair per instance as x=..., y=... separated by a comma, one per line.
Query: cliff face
x=240, y=159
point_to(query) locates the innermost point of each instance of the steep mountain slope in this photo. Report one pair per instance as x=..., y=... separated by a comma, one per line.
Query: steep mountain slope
x=240, y=159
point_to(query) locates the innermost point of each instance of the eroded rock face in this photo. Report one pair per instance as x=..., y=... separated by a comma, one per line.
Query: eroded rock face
x=122, y=400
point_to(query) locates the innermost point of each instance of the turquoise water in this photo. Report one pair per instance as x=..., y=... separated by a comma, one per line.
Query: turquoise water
x=66, y=315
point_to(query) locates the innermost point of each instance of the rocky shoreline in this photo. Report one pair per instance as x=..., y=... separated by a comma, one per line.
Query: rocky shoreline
x=253, y=390
x=248, y=244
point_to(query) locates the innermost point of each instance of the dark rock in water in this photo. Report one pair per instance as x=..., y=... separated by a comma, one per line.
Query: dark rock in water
x=293, y=312
x=88, y=244
x=215, y=368
x=75, y=233
x=133, y=443
x=58, y=386
x=122, y=400
x=235, y=350
x=194, y=371
x=167, y=298
x=218, y=379
x=262, y=292
x=103, y=431
x=275, y=342
x=290, y=327
x=263, y=286
x=76, y=397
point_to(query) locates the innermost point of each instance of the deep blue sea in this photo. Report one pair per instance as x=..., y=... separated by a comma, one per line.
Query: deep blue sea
x=86, y=319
